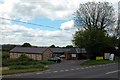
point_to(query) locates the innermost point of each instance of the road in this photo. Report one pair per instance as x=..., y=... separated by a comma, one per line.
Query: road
x=72, y=69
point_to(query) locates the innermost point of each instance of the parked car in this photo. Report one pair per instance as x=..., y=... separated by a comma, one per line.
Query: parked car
x=55, y=59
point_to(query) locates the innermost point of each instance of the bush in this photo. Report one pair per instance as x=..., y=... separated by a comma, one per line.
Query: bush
x=95, y=62
x=5, y=62
x=47, y=62
x=24, y=61
x=23, y=57
x=5, y=55
x=27, y=67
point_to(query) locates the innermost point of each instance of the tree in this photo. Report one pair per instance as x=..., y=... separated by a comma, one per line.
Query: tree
x=96, y=20
x=118, y=45
x=92, y=15
x=69, y=46
x=52, y=46
x=26, y=45
x=8, y=47
x=93, y=40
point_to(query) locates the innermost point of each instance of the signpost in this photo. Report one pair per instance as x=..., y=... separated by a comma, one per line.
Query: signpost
x=99, y=58
x=111, y=57
x=106, y=55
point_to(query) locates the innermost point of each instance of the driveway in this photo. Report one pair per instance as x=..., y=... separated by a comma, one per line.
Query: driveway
x=66, y=64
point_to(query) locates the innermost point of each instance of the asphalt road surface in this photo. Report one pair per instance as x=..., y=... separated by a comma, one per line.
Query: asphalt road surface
x=72, y=69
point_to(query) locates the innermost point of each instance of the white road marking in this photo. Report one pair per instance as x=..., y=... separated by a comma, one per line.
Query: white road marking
x=86, y=67
x=72, y=69
x=39, y=73
x=66, y=70
x=61, y=70
x=82, y=68
x=112, y=72
x=55, y=71
x=90, y=66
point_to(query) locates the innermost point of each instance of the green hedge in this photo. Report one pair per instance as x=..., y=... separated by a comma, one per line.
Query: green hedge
x=5, y=55
x=46, y=62
x=95, y=62
x=22, y=70
x=27, y=67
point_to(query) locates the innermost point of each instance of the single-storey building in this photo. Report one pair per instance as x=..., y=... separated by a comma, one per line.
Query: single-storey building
x=37, y=53
x=31, y=52
x=70, y=53
x=59, y=52
x=76, y=54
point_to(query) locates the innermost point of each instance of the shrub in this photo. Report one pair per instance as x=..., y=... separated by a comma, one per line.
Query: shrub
x=23, y=57
x=47, y=62
x=27, y=67
x=5, y=55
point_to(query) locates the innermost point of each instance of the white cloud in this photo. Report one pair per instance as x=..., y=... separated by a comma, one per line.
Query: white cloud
x=15, y=34
x=52, y=9
x=29, y=9
x=67, y=25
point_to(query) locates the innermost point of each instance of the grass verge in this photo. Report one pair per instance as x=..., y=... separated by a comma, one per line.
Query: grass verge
x=5, y=72
x=117, y=59
x=95, y=62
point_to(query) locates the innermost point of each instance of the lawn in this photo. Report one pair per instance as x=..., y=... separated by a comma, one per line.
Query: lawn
x=95, y=62
x=117, y=59
x=22, y=64
x=22, y=70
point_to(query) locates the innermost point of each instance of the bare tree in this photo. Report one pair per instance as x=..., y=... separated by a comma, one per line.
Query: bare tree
x=118, y=26
x=92, y=15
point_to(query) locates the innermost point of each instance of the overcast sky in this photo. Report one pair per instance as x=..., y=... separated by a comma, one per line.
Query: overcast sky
x=56, y=16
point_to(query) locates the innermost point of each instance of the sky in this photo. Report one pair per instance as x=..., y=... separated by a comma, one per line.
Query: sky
x=54, y=19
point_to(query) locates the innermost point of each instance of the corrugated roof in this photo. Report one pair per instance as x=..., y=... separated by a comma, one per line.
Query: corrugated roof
x=41, y=50
x=28, y=50
x=68, y=50
x=59, y=50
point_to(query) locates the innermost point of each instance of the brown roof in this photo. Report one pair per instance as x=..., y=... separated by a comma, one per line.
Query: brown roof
x=28, y=50
x=42, y=49
x=68, y=50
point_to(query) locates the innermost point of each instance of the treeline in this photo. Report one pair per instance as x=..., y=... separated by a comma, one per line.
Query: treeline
x=8, y=47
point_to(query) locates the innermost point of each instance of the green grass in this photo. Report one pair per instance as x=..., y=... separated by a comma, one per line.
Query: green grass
x=117, y=59
x=22, y=64
x=5, y=54
x=5, y=72
x=95, y=62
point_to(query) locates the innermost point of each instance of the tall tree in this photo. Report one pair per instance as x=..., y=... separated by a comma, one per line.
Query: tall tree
x=100, y=16
x=118, y=27
x=26, y=45
x=69, y=46
x=96, y=19
x=52, y=46
x=93, y=40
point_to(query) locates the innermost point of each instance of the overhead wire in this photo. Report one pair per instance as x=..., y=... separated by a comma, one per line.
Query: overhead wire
x=28, y=23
